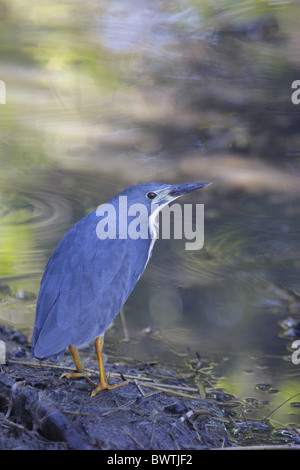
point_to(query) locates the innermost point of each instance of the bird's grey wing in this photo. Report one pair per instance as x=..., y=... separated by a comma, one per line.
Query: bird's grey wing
x=79, y=270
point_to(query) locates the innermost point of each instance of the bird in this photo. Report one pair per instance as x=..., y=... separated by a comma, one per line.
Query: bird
x=93, y=270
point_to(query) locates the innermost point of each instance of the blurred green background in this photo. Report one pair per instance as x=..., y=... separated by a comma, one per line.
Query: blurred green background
x=103, y=95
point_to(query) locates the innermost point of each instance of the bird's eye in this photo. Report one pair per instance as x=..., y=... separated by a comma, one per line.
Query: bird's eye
x=151, y=195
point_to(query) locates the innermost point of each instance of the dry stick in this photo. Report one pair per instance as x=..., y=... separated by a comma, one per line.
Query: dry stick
x=134, y=440
x=169, y=386
x=165, y=388
x=80, y=413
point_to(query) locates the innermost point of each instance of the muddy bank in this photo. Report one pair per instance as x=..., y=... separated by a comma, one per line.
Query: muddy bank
x=40, y=411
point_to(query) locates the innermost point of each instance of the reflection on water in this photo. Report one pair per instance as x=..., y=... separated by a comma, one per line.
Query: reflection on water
x=102, y=96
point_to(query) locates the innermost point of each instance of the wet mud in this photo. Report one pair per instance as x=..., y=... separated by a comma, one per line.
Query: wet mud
x=40, y=411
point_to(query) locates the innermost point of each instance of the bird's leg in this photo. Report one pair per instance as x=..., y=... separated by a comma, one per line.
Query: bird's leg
x=80, y=372
x=103, y=384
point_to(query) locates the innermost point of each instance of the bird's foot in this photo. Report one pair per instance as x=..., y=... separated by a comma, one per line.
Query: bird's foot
x=76, y=375
x=104, y=385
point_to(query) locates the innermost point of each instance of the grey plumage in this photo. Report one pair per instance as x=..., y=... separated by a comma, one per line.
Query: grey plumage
x=87, y=280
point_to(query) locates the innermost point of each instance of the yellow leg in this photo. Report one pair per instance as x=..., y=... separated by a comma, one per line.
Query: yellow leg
x=79, y=367
x=103, y=384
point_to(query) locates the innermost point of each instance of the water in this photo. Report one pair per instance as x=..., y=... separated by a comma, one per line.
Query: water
x=102, y=96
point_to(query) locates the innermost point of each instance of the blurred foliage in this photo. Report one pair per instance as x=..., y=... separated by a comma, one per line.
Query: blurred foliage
x=208, y=74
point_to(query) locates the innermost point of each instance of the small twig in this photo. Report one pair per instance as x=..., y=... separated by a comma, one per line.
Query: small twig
x=131, y=437
x=173, y=392
x=135, y=382
x=80, y=413
x=153, y=432
x=124, y=323
x=174, y=387
x=105, y=413
x=15, y=425
x=281, y=404
x=247, y=424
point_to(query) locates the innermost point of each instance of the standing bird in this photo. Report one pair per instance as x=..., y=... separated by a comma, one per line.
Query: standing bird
x=93, y=270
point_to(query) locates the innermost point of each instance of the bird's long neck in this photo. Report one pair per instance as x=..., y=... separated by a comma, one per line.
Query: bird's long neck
x=153, y=230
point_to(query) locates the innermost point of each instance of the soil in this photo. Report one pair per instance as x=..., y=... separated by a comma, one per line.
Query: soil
x=40, y=411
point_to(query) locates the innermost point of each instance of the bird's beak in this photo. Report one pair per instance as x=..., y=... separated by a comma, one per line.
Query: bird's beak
x=179, y=189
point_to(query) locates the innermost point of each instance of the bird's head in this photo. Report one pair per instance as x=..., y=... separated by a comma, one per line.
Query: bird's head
x=159, y=194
